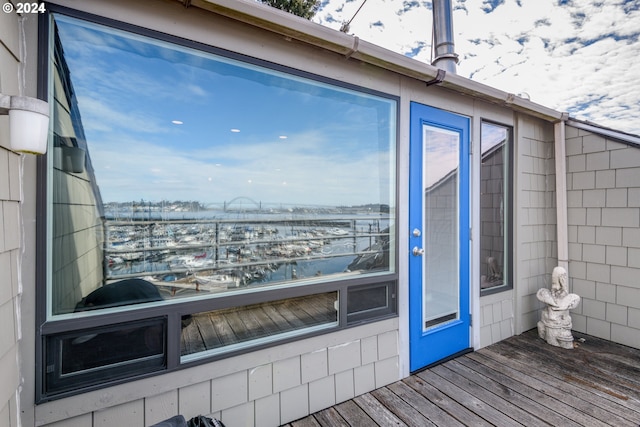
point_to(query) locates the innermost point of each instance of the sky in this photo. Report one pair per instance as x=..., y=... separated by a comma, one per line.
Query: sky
x=578, y=56
x=188, y=125
x=166, y=122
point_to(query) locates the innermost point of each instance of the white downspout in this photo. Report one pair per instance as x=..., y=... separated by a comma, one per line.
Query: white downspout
x=561, y=192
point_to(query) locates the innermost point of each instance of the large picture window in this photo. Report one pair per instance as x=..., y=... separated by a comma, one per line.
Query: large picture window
x=181, y=177
x=495, y=208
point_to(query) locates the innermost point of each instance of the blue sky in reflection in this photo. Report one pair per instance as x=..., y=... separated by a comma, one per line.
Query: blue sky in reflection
x=168, y=123
x=492, y=135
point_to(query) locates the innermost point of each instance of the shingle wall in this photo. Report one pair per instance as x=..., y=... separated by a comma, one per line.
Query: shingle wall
x=603, y=183
x=496, y=318
x=76, y=241
x=268, y=388
x=535, y=242
x=10, y=230
x=534, y=239
x=9, y=291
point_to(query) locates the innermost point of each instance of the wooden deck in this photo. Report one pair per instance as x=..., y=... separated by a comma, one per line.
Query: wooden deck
x=219, y=328
x=519, y=381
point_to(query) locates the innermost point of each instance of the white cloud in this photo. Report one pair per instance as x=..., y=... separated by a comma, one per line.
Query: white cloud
x=582, y=56
x=258, y=170
x=98, y=116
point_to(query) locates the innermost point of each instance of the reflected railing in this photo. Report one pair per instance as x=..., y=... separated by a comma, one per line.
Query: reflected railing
x=219, y=254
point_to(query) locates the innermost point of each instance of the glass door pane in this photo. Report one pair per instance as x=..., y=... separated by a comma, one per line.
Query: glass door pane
x=440, y=242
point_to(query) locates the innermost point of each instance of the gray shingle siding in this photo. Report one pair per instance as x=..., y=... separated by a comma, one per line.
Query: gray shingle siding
x=603, y=179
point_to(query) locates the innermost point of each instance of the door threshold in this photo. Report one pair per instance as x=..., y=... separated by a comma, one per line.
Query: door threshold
x=446, y=359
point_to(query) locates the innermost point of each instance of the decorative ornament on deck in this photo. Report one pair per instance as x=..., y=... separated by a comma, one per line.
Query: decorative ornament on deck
x=555, y=325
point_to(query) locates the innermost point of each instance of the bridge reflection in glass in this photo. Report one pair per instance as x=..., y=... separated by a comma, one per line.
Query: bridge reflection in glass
x=205, y=174
x=184, y=257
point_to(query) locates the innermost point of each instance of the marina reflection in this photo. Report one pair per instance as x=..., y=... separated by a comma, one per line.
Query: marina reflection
x=205, y=174
x=183, y=257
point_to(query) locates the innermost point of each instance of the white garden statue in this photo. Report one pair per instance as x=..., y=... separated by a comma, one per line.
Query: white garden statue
x=555, y=326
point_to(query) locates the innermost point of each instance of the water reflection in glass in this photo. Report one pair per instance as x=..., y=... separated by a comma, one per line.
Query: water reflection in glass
x=204, y=174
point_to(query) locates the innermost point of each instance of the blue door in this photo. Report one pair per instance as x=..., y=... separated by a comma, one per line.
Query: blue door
x=439, y=307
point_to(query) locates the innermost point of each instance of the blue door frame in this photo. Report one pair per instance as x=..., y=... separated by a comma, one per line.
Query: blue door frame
x=434, y=340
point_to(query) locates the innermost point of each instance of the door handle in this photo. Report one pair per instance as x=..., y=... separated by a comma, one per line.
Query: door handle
x=417, y=251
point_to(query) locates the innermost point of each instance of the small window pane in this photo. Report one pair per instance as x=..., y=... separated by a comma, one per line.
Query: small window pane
x=367, y=298
x=495, y=207
x=206, y=176
x=226, y=330
x=100, y=355
x=369, y=301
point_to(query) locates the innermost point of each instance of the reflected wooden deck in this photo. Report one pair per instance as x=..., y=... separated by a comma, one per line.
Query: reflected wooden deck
x=519, y=381
x=220, y=328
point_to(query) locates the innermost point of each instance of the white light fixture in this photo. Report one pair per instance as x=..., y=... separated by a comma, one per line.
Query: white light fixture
x=28, y=123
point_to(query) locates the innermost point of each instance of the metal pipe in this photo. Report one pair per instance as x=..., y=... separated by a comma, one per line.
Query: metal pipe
x=443, y=46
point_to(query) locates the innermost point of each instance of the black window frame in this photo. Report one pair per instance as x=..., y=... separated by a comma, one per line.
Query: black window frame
x=509, y=210
x=172, y=313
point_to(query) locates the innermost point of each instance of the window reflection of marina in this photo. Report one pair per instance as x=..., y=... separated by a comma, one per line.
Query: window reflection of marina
x=186, y=256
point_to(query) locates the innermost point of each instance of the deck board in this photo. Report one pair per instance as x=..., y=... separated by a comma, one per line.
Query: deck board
x=379, y=413
x=330, y=417
x=401, y=409
x=444, y=402
x=467, y=399
x=219, y=328
x=518, y=381
x=426, y=407
x=353, y=414
x=504, y=407
x=612, y=371
x=548, y=404
x=501, y=389
x=593, y=388
x=560, y=401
